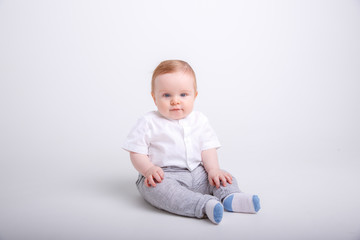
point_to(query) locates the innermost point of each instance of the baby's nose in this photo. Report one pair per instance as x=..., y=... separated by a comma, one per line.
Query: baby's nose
x=175, y=101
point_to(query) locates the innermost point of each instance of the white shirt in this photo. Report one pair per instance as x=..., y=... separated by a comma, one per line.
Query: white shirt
x=172, y=142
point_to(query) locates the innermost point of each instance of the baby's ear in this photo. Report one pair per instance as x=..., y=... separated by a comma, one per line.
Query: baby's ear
x=196, y=93
x=153, y=96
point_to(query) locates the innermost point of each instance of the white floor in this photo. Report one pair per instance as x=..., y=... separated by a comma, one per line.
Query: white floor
x=95, y=198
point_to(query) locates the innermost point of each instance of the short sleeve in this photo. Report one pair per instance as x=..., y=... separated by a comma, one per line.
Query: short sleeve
x=208, y=136
x=138, y=139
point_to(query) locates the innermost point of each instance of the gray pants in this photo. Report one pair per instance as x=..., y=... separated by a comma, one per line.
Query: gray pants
x=184, y=192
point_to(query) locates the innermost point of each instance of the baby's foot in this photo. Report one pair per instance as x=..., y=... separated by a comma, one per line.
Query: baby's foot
x=214, y=211
x=242, y=202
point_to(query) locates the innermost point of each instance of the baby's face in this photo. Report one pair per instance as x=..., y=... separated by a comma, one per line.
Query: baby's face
x=174, y=94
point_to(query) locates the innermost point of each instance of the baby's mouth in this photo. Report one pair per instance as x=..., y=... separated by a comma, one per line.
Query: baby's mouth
x=175, y=109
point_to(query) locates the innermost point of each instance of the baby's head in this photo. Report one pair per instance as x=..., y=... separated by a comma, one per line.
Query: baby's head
x=173, y=88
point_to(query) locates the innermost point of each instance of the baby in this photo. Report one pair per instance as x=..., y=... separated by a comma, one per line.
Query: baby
x=174, y=150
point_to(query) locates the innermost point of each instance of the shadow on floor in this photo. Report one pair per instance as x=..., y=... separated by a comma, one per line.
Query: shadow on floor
x=123, y=189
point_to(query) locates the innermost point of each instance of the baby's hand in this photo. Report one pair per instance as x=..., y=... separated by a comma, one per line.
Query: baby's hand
x=153, y=175
x=218, y=176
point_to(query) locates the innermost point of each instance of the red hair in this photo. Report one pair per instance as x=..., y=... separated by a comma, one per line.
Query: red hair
x=171, y=66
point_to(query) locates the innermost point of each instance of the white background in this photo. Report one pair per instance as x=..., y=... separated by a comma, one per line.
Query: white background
x=279, y=81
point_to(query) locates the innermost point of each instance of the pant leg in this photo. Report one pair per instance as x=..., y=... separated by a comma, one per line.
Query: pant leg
x=200, y=181
x=203, y=186
x=223, y=192
x=173, y=194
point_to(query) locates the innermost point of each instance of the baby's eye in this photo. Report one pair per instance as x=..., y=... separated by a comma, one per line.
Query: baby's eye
x=183, y=94
x=166, y=95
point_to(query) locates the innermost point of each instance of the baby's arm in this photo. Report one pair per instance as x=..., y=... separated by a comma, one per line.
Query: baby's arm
x=211, y=165
x=144, y=166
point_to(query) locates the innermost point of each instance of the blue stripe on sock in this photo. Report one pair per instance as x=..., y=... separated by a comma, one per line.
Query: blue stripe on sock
x=256, y=202
x=228, y=203
x=218, y=212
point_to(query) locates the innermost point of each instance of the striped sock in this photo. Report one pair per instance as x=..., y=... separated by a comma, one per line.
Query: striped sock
x=242, y=202
x=214, y=211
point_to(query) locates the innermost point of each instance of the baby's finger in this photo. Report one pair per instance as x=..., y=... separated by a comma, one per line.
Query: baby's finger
x=157, y=177
x=151, y=181
x=161, y=173
x=223, y=180
x=229, y=178
x=217, y=182
x=211, y=182
x=146, y=182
